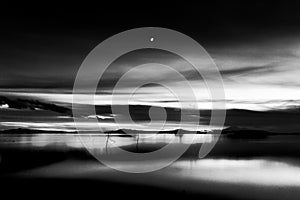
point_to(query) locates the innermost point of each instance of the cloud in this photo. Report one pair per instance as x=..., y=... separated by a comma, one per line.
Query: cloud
x=250, y=70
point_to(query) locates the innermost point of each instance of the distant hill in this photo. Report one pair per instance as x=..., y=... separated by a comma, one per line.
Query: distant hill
x=175, y=131
x=231, y=132
x=30, y=131
x=20, y=103
x=242, y=133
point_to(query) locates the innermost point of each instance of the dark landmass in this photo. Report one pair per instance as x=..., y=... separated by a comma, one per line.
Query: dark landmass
x=175, y=132
x=244, y=133
x=231, y=132
x=239, y=133
x=32, y=131
x=20, y=103
x=281, y=120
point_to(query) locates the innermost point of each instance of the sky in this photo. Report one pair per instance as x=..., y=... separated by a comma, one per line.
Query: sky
x=256, y=47
x=257, y=70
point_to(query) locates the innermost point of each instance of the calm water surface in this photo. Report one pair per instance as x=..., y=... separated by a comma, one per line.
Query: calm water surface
x=267, y=169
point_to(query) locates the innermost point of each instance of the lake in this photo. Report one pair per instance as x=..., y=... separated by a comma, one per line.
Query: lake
x=236, y=168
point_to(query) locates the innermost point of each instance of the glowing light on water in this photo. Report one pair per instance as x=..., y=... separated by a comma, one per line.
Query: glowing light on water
x=4, y=106
x=255, y=171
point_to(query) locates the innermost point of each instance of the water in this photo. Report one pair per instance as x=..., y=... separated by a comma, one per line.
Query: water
x=266, y=169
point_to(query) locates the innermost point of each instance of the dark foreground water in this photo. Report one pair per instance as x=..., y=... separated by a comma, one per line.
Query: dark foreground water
x=235, y=169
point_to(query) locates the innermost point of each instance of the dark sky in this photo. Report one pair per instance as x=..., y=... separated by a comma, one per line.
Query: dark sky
x=38, y=39
x=218, y=17
x=255, y=44
x=43, y=45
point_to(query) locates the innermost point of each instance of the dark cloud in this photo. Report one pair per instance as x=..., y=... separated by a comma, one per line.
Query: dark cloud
x=242, y=71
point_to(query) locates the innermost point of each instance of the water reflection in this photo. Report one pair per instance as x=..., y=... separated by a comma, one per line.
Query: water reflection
x=234, y=167
x=253, y=171
x=102, y=140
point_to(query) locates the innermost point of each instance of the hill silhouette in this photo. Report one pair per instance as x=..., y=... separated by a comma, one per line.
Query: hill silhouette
x=32, y=104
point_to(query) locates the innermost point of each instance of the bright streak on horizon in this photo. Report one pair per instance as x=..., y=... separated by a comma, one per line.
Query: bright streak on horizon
x=259, y=99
